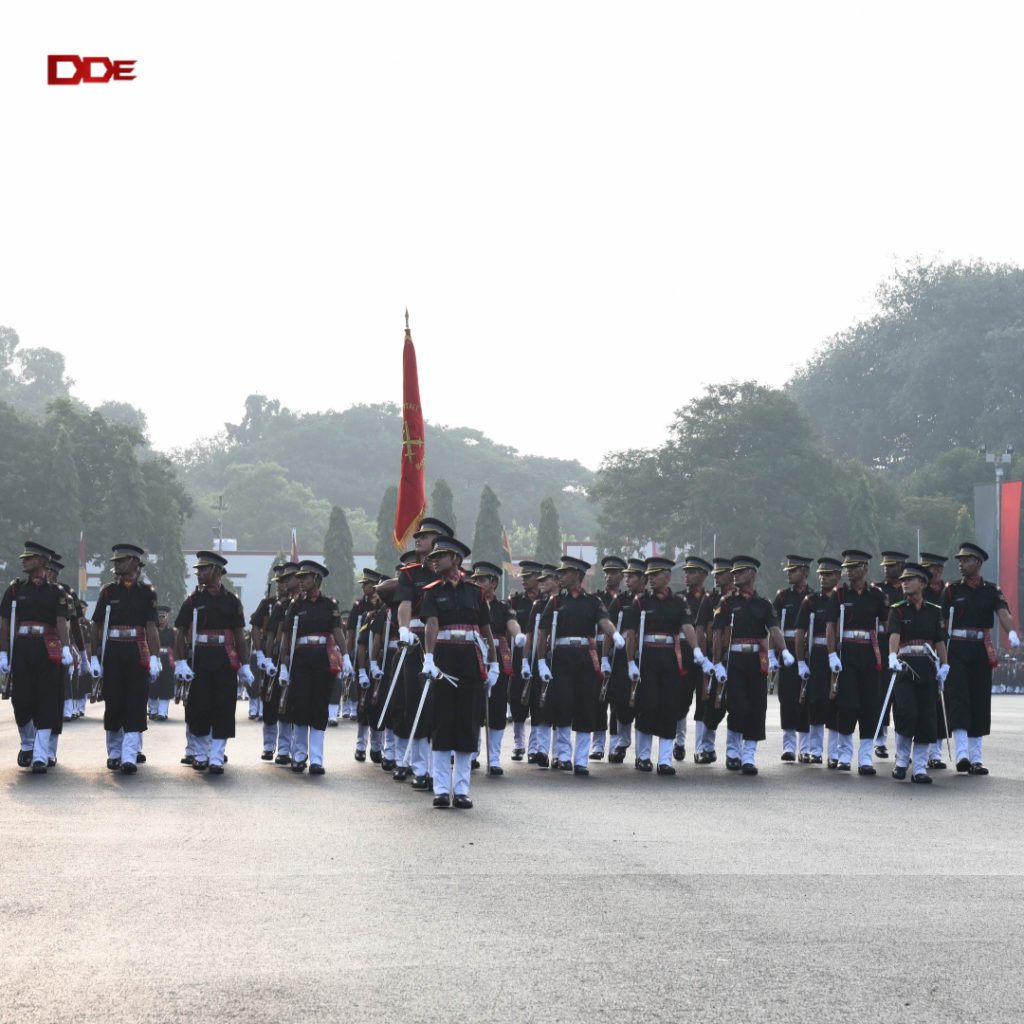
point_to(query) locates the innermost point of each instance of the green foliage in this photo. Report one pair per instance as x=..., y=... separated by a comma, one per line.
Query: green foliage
x=549, y=533
x=442, y=505
x=339, y=558
x=385, y=555
x=487, y=535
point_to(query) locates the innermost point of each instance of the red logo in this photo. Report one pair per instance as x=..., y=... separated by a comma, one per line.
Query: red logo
x=67, y=69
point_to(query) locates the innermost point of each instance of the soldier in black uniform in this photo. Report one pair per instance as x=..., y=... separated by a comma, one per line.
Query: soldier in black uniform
x=747, y=633
x=125, y=655
x=972, y=604
x=318, y=656
x=613, y=567
x=258, y=623
x=812, y=657
x=218, y=645
x=521, y=604
x=457, y=628
x=161, y=689
x=859, y=608
x=572, y=683
x=710, y=710
x=38, y=656
x=699, y=605
x=77, y=649
x=613, y=664
x=656, y=623
x=412, y=580
x=540, y=741
x=277, y=730
x=892, y=563
x=376, y=645
x=916, y=634
x=507, y=637
x=792, y=714
x=352, y=703
x=934, y=592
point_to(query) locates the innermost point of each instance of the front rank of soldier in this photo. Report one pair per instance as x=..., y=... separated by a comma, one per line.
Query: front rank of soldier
x=521, y=603
x=277, y=729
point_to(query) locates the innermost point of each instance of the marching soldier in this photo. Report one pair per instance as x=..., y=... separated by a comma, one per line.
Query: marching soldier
x=374, y=647
x=660, y=681
x=855, y=660
x=812, y=660
x=77, y=650
x=161, y=689
x=313, y=643
x=747, y=642
x=613, y=665
x=613, y=567
x=792, y=714
x=35, y=650
x=505, y=631
x=359, y=613
x=934, y=592
x=213, y=623
x=258, y=623
x=711, y=710
x=412, y=580
x=540, y=741
x=277, y=730
x=916, y=634
x=456, y=620
x=972, y=605
x=569, y=643
x=699, y=606
x=892, y=563
x=521, y=605
x=125, y=655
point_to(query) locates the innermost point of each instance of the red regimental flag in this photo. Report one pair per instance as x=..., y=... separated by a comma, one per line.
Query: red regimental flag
x=412, y=490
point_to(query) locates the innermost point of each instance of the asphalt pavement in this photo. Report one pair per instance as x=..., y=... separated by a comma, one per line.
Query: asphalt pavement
x=263, y=896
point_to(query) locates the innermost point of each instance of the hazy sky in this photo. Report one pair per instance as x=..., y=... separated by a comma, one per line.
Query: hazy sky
x=638, y=198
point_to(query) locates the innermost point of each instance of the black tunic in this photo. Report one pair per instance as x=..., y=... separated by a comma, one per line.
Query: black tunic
x=915, y=693
x=820, y=710
x=309, y=690
x=792, y=714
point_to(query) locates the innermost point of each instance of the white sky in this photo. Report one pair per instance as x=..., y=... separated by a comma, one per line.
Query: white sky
x=638, y=197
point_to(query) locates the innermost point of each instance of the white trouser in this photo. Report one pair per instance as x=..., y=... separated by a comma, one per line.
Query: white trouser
x=389, y=745
x=698, y=736
x=803, y=742
x=151, y=705
x=749, y=755
x=27, y=734
x=708, y=739
x=665, y=749
x=623, y=738
x=376, y=738
x=960, y=743
x=866, y=752
x=920, y=759
x=563, y=743
x=789, y=741
x=681, y=730
x=597, y=741
x=163, y=706
x=217, y=750
x=441, y=763
x=816, y=740
x=419, y=756
x=284, y=737
x=69, y=707
x=362, y=735
x=54, y=737
x=114, y=741
x=974, y=749
x=130, y=747
x=41, y=745
x=300, y=742
x=332, y=712
x=400, y=747
x=903, y=747
x=833, y=745
x=644, y=742
x=883, y=736
x=935, y=751
x=255, y=706
x=581, y=754
x=190, y=742
x=494, y=738
x=540, y=739
x=269, y=738
x=845, y=748
x=316, y=746
x=733, y=743
x=202, y=746
x=519, y=735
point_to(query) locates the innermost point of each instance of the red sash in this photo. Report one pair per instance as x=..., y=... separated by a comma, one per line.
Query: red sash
x=49, y=637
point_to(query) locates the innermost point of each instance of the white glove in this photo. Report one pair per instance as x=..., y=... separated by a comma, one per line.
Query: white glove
x=492, y=675
x=834, y=663
x=698, y=655
x=773, y=662
x=364, y=679
x=375, y=670
x=430, y=668
x=182, y=672
x=941, y=674
x=5, y=663
x=1013, y=638
x=634, y=671
x=283, y=674
x=804, y=671
x=606, y=667
x=788, y=659
x=619, y=640
x=346, y=666
x=526, y=672
x=270, y=668
x=405, y=635
x=720, y=672
x=520, y=640
x=154, y=666
x=66, y=657
x=543, y=671
x=708, y=666
x=261, y=661
x=96, y=669
x=245, y=675
x=894, y=663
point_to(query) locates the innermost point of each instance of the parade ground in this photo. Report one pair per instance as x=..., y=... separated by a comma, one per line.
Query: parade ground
x=264, y=896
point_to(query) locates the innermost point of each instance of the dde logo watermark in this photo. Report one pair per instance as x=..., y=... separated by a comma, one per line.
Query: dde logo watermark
x=69, y=69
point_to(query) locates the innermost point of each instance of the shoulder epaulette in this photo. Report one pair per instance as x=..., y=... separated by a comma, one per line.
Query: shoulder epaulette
x=433, y=584
x=899, y=604
x=931, y=604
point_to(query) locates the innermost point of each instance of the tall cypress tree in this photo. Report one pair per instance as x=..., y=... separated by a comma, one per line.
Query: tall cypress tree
x=384, y=553
x=442, y=505
x=487, y=536
x=549, y=533
x=127, y=512
x=65, y=512
x=339, y=557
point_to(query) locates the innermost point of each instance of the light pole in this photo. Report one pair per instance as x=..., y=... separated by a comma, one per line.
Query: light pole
x=998, y=460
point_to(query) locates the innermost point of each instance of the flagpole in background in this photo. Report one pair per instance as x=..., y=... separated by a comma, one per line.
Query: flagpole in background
x=295, y=547
x=412, y=490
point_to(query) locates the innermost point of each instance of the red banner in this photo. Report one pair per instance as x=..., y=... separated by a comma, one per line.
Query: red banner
x=412, y=488
x=1009, y=545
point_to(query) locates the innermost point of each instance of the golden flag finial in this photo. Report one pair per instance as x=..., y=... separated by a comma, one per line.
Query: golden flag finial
x=407, y=318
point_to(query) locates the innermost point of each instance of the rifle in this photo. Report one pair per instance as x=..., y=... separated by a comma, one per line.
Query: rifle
x=611, y=664
x=720, y=688
x=773, y=675
x=833, y=686
x=283, y=703
x=551, y=644
x=639, y=658
x=810, y=649
x=5, y=686
x=97, y=689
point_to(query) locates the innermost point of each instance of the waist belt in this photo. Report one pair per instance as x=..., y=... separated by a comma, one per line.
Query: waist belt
x=220, y=638
x=969, y=634
x=459, y=633
x=125, y=633
x=914, y=650
x=31, y=629
x=165, y=650
x=573, y=641
x=660, y=639
x=864, y=636
x=745, y=648
x=820, y=641
x=790, y=634
x=210, y=638
x=392, y=645
x=312, y=640
x=47, y=632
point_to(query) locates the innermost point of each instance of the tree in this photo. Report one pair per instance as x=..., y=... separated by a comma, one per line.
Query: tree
x=340, y=559
x=487, y=536
x=65, y=520
x=384, y=555
x=441, y=505
x=127, y=513
x=549, y=533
